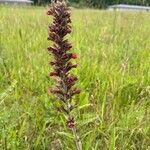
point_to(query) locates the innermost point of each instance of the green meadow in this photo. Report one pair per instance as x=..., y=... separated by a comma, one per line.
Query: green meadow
x=114, y=77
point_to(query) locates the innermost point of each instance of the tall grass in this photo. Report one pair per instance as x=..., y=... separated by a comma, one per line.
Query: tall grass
x=114, y=71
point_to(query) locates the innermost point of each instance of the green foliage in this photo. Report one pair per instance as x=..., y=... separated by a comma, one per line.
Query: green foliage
x=98, y=3
x=114, y=77
x=105, y=3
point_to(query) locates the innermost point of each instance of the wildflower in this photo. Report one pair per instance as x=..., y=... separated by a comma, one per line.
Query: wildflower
x=61, y=51
x=62, y=55
x=64, y=89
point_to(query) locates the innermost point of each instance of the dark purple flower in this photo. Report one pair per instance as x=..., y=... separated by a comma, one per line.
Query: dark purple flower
x=60, y=50
x=70, y=123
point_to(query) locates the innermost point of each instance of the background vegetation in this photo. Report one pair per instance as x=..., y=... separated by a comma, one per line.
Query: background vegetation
x=99, y=3
x=114, y=75
x=105, y=3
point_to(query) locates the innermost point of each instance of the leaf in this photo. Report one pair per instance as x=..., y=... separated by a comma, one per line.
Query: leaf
x=65, y=134
x=89, y=119
x=84, y=106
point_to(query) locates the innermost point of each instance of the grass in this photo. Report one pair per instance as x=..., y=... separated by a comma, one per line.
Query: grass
x=114, y=74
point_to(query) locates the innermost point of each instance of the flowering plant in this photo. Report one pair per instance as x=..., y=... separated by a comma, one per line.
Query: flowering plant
x=64, y=90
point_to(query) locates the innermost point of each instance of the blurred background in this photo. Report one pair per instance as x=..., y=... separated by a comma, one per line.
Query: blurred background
x=98, y=3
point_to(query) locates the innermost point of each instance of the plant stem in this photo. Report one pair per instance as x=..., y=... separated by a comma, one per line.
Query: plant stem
x=76, y=139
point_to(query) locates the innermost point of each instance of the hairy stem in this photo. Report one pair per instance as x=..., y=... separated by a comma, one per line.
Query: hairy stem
x=76, y=139
x=75, y=135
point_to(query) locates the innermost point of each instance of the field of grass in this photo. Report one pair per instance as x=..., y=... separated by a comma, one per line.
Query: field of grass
x=114, y=77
